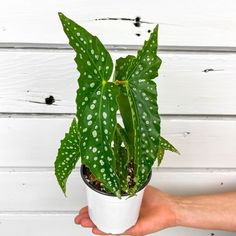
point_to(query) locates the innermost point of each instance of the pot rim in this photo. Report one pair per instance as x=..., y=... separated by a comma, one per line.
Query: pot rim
x=110, y=194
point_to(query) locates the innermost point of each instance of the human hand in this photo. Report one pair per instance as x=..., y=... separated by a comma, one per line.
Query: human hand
x=157, y=212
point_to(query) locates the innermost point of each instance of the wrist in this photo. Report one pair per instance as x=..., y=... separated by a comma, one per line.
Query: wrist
x=175, y=209
x=179, y=210
x=188, y=211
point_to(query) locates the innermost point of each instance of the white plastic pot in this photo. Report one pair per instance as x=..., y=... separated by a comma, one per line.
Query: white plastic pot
x=111, y=214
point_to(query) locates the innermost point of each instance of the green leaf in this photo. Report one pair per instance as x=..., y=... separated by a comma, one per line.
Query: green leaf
x=68, y=155
x=121, y=155
x=164, y=145
x=92, y=59
x=160, y=155
x=122, y=65
x=124, y=137
x=142, y=97
x=96, y=103
x=97, y=127
x=167, y=145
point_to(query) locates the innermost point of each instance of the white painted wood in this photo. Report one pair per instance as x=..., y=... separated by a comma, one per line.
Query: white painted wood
x=62, y=224
x=199, y=23
x=31, y=202
x=33, y=142
x=28, y=77
x=39, y=191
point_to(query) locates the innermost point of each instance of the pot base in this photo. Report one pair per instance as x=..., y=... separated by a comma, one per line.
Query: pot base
x=112, y=215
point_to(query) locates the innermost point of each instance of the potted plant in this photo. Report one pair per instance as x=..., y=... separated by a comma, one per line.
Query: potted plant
x=116, y=159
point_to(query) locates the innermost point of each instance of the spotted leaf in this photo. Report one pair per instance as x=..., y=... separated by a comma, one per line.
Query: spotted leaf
x=167, y=145
x=160, y=155
x=122, y=65
x=142, y=97
x=93, y=61
x=122, y=155
x=96, y=103
x=163, y=146
x=97, y=127
x=68, y=155
x=124, y=138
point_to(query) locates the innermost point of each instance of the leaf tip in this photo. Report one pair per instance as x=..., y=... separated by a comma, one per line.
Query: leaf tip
x=60, y=14
x=118, y=194
x=63, y=188
x=62, y=17
x=178, y=152
x=155, y=29
x=61, y=184
x=65, y=194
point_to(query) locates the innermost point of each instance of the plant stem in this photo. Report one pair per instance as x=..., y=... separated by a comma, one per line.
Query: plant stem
x=120, y=82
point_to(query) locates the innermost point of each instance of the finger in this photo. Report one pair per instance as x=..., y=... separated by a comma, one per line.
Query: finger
x=95, y=230
x=130, y=231
x=84, y=209
x=86, y=222
x=134, y=230
x=79, y=217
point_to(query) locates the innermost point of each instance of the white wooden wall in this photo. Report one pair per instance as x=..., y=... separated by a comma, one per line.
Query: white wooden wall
x=197, y=97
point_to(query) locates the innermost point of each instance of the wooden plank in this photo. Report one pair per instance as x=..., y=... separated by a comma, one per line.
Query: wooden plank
x=202, y=23
x=186, y=85
x=39, y=191
x=61, y=225
x=33, y=142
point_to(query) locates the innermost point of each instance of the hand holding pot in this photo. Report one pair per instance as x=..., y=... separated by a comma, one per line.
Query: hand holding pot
x=160, y=210
x=157, y=212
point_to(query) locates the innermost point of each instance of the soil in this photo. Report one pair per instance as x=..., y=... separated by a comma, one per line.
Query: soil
x=92, y=180
x=131, y=182
x=99, y=186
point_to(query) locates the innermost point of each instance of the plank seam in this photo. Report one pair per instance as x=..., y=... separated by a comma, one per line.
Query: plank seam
x=155, y=169
x=115, y=47
x=53, y=212
x=164, y=116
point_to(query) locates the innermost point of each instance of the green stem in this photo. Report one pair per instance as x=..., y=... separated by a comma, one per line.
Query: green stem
x=120, y=82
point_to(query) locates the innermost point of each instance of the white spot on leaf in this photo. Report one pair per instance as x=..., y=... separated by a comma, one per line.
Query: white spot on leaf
x=94, y=133
x=92, y=85
x=104, y=114
x=89, y=117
